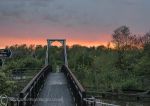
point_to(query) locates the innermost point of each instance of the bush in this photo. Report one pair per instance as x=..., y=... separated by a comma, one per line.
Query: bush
x=130, y=84
x=6, y=86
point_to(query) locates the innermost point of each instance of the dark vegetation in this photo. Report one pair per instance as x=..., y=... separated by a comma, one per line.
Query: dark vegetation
x=126, y=66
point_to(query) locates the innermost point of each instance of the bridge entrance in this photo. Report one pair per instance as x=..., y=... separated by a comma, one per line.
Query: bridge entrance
x=52, y=89
x=49, y=60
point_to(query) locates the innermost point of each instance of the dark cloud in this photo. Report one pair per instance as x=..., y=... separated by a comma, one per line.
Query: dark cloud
x=85, y=16
x=10, y=9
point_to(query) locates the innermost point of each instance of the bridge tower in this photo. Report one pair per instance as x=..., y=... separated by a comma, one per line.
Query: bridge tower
x=49, y=42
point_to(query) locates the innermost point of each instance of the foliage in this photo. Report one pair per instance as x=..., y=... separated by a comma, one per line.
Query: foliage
x=126, y=66
x=6, y=85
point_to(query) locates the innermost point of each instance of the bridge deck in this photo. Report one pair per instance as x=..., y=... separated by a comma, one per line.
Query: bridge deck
x=55, y=92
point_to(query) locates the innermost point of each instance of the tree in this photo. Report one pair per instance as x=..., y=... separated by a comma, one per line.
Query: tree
x=120, y=39
x=146, y=38
x=147, y=45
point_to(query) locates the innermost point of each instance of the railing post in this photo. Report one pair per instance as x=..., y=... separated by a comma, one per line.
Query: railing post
x=12, y=103
x=90, y=101
x=83, y=96
x=21, y=96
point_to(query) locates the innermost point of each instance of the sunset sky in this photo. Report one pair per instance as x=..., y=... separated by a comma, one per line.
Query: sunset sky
x=86, y=22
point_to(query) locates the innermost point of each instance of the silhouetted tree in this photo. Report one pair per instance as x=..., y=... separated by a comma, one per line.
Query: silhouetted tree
x=120, y=39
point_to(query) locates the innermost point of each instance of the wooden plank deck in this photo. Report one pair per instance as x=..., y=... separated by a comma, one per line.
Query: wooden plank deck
x=55, y=92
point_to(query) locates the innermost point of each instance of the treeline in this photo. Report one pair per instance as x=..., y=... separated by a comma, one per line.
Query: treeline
x=125, y=66
x=22, y=63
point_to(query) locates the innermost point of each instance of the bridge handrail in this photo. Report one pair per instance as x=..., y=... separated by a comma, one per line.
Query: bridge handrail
x=32, y=89
x=81, y=88
x=77, y=89
x=34, y=79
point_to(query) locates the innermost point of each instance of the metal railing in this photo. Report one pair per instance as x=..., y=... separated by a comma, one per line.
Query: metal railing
x=96, y=102
x=76, y=88
x=28, y=95
x=105, y=104
x=90, y=101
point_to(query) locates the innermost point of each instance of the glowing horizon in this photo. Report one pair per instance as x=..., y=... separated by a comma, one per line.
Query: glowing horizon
x=42, y=41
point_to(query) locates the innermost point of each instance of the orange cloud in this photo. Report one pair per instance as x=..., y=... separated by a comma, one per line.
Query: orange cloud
x=5, y=41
